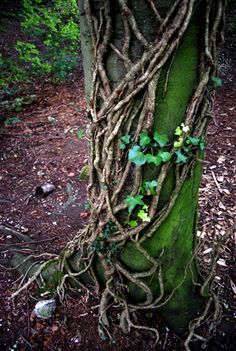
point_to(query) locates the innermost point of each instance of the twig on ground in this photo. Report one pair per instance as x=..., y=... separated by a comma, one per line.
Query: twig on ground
x=216, y=183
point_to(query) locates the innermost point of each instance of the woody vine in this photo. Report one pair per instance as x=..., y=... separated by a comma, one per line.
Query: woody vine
x=141, y=167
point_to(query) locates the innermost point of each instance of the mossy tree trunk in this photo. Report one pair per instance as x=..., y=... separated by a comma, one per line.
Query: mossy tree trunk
x=148, y=79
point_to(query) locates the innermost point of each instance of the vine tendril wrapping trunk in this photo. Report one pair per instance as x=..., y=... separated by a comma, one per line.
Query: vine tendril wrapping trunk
x=148, y=80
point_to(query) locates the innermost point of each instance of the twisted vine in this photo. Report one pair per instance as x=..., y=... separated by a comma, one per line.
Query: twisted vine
x=127, y=106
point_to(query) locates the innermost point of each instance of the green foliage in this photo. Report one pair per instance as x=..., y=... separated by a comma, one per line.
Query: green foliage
x=140, y=154
x=164, y=155
x=133, y=201
x=144, y=139
x=137, y=156
x=143, y=215
x=108, y=229
x=217, y=82
x=11, y=121
x=178, y=131
x=133, y=223
x=153, y=159
x=101, y=244
x=84, y=172
x=149, y=187
x=180, y=157
x=154, y=151
x=80, y=133
x=125, y=140
x=179, y=142
x=161, y=139
x=51, y=48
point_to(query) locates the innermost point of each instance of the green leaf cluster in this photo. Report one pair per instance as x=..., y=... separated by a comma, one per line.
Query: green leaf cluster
x=133, y=201
x=138, y=153
x=217, y=82
x=125, y=140
x=142, y=214
x=53, y=40
x=11, y=121
x=101, y=244
x=148, y=187
x=80, y=133
x=185, y=144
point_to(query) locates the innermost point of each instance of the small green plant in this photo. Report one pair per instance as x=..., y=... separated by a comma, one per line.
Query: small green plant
x=154, y=150
x=53, y=40
x=80, y=133
x=125, y=140
x=133, y=201
x=11, y=121
x=142, y=214
x=84, y=173
x=217, y=82
x=148, y=187
x=101, y=244
x=87, y=206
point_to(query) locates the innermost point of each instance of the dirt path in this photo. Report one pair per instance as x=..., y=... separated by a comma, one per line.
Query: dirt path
x=44, y=148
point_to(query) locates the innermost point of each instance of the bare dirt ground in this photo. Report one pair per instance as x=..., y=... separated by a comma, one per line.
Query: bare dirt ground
x=44, y=148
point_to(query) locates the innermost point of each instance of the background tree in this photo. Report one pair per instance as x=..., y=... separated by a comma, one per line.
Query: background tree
x=150, y=74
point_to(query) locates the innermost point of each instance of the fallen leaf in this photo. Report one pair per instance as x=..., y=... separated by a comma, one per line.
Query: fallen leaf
x=221, y=159
x=221, y=262
x=54, y=327
x=222, y=206
x=207, y=251
x=233, y=286
x=84, y=214
x=220, y=178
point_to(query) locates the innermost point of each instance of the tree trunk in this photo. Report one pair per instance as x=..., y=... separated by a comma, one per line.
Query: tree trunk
x=149, y=80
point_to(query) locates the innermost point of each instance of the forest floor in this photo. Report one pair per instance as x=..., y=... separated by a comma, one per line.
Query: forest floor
x=47, y=145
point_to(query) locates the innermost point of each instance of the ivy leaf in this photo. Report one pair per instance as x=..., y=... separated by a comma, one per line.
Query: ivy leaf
x=178, y=131
x=132, y=223
x=122, y=146
x=144, y=139
x=150, y=186
x=217, y=82
x=126, y=139
x=193, y=141
x=133, y=201
x=153, y=159
x=187, y=150
x=161, y=139
x=179, y=142
x=80, y=133
x=180, y=157
x=11, y=121
x=164, y=155
x=202, y=145
x=136, y=155
x=143, y=216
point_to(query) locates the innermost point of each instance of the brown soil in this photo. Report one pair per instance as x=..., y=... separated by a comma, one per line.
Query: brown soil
x=44, y=148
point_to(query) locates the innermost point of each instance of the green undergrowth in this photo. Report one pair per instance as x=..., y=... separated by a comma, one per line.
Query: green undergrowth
x=48, y=43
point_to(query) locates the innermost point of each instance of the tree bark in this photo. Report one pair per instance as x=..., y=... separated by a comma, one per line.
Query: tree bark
x=148, y=69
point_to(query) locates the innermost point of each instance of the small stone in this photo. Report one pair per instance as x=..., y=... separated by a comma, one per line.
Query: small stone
x=45, y=308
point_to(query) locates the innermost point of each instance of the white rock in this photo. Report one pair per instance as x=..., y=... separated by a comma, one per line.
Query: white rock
x=45, y=308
